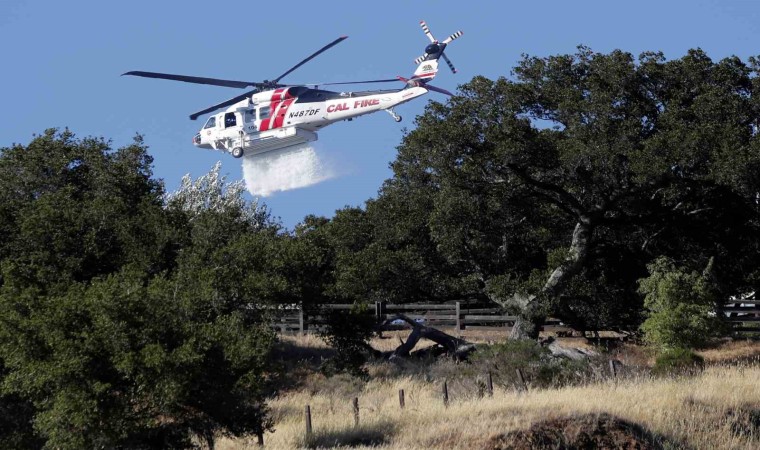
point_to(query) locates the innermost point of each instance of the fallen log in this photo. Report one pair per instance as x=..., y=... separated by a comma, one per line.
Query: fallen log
x=453, y=346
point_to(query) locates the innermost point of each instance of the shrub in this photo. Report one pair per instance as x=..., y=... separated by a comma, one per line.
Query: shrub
x=681, y=307
x=678, y=361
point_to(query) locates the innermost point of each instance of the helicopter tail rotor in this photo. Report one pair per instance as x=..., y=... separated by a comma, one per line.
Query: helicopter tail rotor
x=435, y=49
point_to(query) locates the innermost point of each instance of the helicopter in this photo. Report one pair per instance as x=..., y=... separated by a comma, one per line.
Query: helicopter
x=273, y=116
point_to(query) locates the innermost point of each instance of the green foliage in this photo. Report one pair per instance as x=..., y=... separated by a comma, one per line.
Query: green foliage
x=126, y=323
x=349, y=334
x=678, y=361
x=651, y=157
x=131, y=361
x=681, y=307
x=75, y=209
x=385, y=253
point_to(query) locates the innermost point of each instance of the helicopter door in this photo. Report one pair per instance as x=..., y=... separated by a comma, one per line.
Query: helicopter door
x=230, y=120
x=232, y=125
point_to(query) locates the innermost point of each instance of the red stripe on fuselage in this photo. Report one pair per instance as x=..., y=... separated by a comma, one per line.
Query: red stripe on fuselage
x=278, y=107
x=274, y=102
x=280, y=117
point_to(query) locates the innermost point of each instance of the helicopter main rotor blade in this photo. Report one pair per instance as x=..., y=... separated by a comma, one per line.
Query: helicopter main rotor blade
x=229, y=102
x=437, y=89
x=331, y=44
x=389, y=80
x=196, y=80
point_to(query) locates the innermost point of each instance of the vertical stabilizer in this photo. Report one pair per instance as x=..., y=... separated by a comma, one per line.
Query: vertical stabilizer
x=426, y=71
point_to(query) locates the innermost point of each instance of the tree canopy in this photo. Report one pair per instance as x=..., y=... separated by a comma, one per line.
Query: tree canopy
x=127, y=321
x=553, y=189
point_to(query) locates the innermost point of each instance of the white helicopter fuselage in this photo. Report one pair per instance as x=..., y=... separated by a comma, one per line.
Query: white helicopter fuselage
x=289, y=116
x=274, y=115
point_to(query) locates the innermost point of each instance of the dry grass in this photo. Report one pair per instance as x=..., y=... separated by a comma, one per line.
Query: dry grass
x=732, y=351
x=717, y=409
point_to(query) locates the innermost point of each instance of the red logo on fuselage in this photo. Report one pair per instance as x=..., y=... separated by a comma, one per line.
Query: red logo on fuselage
x=365, y=103
x=338, y=107
x=357, y=104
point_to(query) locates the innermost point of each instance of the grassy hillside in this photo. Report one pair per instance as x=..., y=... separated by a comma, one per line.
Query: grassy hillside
x=718, y=408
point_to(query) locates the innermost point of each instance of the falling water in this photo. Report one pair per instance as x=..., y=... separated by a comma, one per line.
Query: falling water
x=285, y=169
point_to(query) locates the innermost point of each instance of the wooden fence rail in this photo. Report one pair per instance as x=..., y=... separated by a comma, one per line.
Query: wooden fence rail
x=743, y=316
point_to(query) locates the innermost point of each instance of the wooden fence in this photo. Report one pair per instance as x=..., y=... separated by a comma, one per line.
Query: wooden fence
x=742, y=315
x=458, y=315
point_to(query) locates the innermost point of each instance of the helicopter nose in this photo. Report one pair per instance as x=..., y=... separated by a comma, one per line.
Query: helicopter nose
x=197, y=139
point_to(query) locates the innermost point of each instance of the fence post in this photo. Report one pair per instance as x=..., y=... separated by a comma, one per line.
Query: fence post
x=401, y=402
x=356, y=411
x=379, y=311
x=302, y=321
x=445, y=394
x=307, y=416
x=459, y=318
x=613, y=369
x=489, y=384
x=521, y=378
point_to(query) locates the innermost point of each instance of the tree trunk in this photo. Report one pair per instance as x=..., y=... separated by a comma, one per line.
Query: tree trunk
x=534, y=314
x=530, y=320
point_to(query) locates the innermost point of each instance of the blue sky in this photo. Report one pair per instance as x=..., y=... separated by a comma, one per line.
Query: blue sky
x=61, y=63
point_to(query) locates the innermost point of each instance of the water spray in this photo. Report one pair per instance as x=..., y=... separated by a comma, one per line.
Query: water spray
x=285, y=169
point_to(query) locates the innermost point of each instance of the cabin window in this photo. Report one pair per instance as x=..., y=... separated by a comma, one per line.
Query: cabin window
x=263, y=112
x=211, y=123
x=249, y=115
x=229, y=120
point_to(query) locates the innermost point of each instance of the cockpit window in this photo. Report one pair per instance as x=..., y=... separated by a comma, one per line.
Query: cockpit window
x=229, y=120
x=263, y=112
x=211, y=123
x=249, y=116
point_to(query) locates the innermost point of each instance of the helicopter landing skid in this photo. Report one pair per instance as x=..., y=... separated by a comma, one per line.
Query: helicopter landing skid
x=393, y=114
